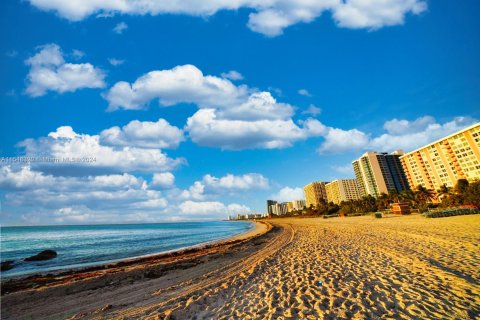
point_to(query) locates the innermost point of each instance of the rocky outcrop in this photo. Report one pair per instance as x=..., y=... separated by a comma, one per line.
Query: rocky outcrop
x=7, y=265
x=44, y=255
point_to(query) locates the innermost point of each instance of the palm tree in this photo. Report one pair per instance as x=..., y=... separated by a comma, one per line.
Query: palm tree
x=383, y=201
x=408, y=196
x=444, y=192
x=394, y=195
x=422, y=194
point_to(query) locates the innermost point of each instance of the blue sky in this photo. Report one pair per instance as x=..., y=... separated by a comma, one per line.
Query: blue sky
x=315, y=85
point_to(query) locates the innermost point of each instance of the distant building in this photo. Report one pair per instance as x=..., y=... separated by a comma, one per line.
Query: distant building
x=445, y=161
x=279, y=209
x=270, y=203
x=296, y=205
x=241, y=216
x=314, y=192
x=342, y=190
x=378, y=173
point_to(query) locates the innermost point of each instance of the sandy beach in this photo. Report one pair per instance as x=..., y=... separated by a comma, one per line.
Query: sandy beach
x=405, y=267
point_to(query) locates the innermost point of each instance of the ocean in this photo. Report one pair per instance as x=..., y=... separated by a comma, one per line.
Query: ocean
x=87, y=245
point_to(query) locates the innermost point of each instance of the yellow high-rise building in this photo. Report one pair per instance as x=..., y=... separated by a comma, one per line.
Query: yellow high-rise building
x=342, y=190
x=314, y=192
x=445, y=161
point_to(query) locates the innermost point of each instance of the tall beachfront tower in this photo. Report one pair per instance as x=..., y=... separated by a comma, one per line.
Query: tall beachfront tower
x=270, y=203
x=445, y=161
x=378, y=173
x=342, y=190
x=314, y=192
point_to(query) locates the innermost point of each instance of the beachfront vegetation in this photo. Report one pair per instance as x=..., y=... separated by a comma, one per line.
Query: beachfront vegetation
x=464, y=193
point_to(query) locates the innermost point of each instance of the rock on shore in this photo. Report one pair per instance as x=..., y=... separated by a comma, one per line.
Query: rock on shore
x=44, y=255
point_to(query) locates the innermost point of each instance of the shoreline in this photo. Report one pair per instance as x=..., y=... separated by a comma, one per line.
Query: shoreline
x=38, y=280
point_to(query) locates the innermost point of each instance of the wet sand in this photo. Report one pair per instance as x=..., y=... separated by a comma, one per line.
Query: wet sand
x=405, y=267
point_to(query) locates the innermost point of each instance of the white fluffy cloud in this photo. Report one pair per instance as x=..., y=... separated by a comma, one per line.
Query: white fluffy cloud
x=288, y=194
x=50, y=72
x=338, y=140
x=111, y=195
x=401, y=127
x=230, y=117
x=259, y=105
x=232, y=75
x=144, y=134
x=163, y=180
x=346, y=169
x=207, y=130
x=211, y=207
x=89, y=153
x=236, y=182
x=401, y=134
x=267, y=17
x=374, y=14
x=211, y=186
x=182, y=84
x=410, y=135
x=103, y=198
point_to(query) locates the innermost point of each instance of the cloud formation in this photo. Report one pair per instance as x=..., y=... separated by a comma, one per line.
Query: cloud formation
x=210, y=207
x=267, y=17
x=247, y=181
x=163, y=180
x=229, y=116
x=232, y=75
x=182, y=84
x=288, y=194
x=86, y=152
x=143, y=134
x=50, y=72
x=102, y=198
x=211, y=186
x=401, y=134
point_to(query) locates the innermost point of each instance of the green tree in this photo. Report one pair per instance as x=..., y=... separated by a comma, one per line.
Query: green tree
x=393, y=195
x=472, y=194
x=383, y=201
x=422, y=195
x=462, y=186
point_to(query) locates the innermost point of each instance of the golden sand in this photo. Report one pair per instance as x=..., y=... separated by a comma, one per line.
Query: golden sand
x=405, y=267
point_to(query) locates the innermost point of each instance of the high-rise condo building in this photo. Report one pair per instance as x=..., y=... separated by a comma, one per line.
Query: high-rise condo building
x=378, y=173
x=279, y=209
x=314, y=192
x=445, y=161
x=342, y=190
x=270, y=203
x=296, y=205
